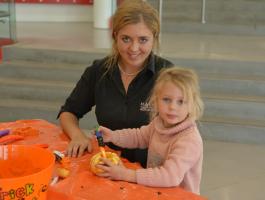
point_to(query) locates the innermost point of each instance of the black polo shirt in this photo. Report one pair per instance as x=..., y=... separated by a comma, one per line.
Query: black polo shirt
x=114, y=108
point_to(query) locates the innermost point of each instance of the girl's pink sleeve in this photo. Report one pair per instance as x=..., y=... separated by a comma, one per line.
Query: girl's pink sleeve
x=132, y=138
x=183, y=155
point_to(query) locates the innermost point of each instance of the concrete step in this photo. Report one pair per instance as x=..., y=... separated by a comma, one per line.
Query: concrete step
x=39, y=81
x=21, y=67
x=224, y=68
x=230, y=17
x=35, y=89
x=171, y=25
x=237, y=110
x=221, y=106
x=36, y=70
x=237, y=6
x=229, y=132
x=16, y=109
x=51, y=91
x=233, y=12
x=225, y=129
x=51, y=56
x=244, y=12
x=249, y=90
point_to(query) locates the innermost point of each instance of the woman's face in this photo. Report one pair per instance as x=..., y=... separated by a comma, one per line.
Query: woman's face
x=134, y=43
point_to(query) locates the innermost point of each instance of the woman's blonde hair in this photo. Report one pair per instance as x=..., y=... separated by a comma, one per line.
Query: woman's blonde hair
x=132, y=12
x=187, y=81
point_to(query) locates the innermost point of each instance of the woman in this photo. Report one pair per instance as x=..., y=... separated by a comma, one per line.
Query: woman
x=119, y=84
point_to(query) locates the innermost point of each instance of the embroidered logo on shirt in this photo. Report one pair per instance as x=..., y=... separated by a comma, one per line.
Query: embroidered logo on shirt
x=144, y=106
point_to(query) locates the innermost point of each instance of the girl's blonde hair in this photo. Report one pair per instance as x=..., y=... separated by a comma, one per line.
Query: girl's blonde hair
x=132, y=12
x=187, y=81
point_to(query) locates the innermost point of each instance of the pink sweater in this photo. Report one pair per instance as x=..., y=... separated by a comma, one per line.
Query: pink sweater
x=174, y=154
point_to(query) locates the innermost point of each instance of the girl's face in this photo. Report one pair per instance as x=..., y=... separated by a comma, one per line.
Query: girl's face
x=171, y=105
x=134, y=43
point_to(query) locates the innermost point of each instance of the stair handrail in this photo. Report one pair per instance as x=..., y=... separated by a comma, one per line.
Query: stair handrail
x=160, y=8
x=203, y=20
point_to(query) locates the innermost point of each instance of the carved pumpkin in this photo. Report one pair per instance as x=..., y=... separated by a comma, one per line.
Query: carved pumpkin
x=113, y=157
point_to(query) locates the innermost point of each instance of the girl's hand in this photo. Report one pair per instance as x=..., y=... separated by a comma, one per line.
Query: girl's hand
x=106, y=133
x=116, y=172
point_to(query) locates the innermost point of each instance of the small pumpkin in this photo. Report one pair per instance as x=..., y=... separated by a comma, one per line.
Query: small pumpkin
x=63, y=172
x=113, y=157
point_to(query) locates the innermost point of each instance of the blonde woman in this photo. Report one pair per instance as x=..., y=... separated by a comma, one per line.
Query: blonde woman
x=175, y=148
x=119, y=84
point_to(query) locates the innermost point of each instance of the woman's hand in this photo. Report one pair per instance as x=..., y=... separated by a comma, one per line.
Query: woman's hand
x=79, y=142
x=116, y=172
x=78, y=145
x=106, y=133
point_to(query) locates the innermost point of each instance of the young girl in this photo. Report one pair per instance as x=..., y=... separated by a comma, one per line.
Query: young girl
x=175, y=148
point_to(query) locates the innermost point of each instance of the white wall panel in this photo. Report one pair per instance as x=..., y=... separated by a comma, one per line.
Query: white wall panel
x=53, y=13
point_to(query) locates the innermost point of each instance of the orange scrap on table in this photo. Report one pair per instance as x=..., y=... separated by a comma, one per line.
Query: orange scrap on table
x=65, y=162
x=63, y=170
x=10, y=138
x=26, y=131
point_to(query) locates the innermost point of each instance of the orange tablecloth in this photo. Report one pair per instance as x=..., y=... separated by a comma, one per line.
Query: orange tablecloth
x=82, y=184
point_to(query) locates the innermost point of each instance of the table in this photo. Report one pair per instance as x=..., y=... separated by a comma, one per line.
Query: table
x=81, y=183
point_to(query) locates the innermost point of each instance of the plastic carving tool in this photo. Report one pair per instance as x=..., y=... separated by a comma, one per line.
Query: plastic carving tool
x=58, y=155
x=101, y=143
x=4, y=132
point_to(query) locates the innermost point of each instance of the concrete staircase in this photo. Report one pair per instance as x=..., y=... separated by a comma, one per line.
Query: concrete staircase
x=35, y=82
x=229, y=16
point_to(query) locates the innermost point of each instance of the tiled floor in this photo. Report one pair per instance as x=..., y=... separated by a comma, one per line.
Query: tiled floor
x=231, y=171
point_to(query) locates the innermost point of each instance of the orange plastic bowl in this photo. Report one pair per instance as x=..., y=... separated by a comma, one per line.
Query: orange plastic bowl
x=25, y=172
